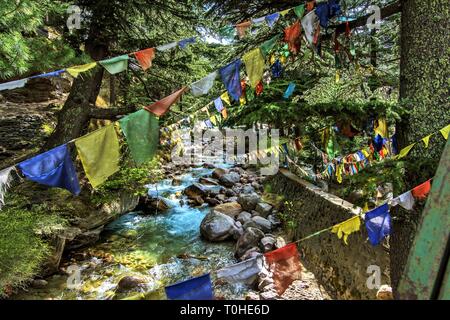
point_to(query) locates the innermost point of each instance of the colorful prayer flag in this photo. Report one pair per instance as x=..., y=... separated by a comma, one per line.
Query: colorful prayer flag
x=184, y=43
x=241, y=28
x=254, y=65
x=272, y=19
x=160, y=107
x=226, y=98
x=289, y=91
x=218, y=104
x=53, y=168
x=258, y=21
x=168, y=46
x=381, y=127
x=310, y=23
x=202, y=86
x=145, y=57
x=199, y=288
x=285, y=12
x=13, y=84
x=299, y=10
x=406, y=200
x=285, y=266
x=49, y=74
x=76, y=70
x=445, y=131
x=378, y=224
x=224, y=113
x=426, y=140
x=231, y=79
x=344, y=229
x=268, y=45
x=99, y=154
x=292, y=37
x=116, y=64
x=141, y=129
x=404, y=152
x=242, y=272
x=421, y=191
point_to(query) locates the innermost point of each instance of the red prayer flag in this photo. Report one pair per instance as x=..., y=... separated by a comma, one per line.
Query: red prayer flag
x=160, y=107
x=292, y=37
x=285, y=266
x=242, y=27
x=145, y=57
x=259, y=88
x=422, y=191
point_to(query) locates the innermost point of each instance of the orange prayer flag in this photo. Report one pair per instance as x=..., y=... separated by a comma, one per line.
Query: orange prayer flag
x=224, y=113
x=421, y=191
x=145, y=57
x=292, y=37
x=285, y=266
x=242, y=27
x=160, y=107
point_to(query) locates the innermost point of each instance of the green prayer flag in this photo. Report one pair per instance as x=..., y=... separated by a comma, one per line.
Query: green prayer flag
x=299, y=10
x=116, y=65
x=99, y=154
x=267, y=46
x=141, y=129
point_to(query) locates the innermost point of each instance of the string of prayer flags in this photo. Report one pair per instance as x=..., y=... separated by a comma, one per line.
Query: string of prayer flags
x=225, y=98
x=268, y=45
x=344, y=229
x=53, y=168
x=116, y=64
x=241, y=28
x=185, y=42
x=159, y=108
x=299, y=10
x=289, y=91
x=231, y=80
x=168, y=46
x=76, y=70
x=378, y=224
x=13, y=84
x=99, y=154
x=292, y=37
x=5, y=182
x=421, y=191
x=310, y=23
x=272, y=19
x=199, y=288
x=284, y=265
x=141, y=130
x=254, y=64
x=218, y=104
x=242, y=272
x=145, y=57
x=202, y=86
x=445, y=132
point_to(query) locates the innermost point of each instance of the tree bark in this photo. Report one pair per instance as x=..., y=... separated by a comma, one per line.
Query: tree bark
x=424, y=88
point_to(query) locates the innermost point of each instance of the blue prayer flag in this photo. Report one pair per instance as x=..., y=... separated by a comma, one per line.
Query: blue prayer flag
x=184, y=43
x=208, y=123
x=218, y=104
x=289, y=91
x=231, y=80
x=49, y=74
x=272, y=19
x=378, y=142
x=199, y=288
x=277, y=69
x=53, y=168
x=378, y=224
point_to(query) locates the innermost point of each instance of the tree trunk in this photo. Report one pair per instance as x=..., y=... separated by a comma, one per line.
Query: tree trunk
x=424, y=88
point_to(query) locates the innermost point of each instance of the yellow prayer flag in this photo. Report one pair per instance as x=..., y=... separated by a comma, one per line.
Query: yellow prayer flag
x=226, y=98
x=345, y=228
x=242, y=100
x=285, y=12
x=382, y=128
x=99, y=154
x=339, y=169
x=254, y=65
x=338, y=76
x=445, y=131
x=404, y=152
x=213, y=120
x=76, y=70
x=426, y=140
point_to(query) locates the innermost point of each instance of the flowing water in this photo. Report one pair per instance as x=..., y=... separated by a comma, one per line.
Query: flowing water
x=162, y=248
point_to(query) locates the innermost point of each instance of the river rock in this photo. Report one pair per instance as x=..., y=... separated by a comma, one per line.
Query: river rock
x=262, y=223
x=212, y=202
x=230, y=193
x=264, y=209
x=218, y=172
x=208, y=182
x=243, y=217
x=250, y=253
x=229, y=179
x=248, y=240
x=237, y=231
x=274, y=221
x=249, y=201
x=195, y=190
x=39, y=283
x=148, y=205
x=247, y=189
x=130, y=282
x=217, y=226
x=268, y=243
x=251, y=224
x=176, y=181
x=231, y=209
x=232, y=199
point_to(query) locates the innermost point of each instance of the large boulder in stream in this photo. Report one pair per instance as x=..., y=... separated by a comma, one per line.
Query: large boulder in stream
x=217, y=226
x=231, y=209
x=149, y=205
x=249, y=201
x=195, y=190
x=250, y=239
x=229, y=179
x=208, y=181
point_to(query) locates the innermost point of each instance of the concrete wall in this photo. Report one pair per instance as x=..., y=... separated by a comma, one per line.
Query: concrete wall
x=341, y=269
